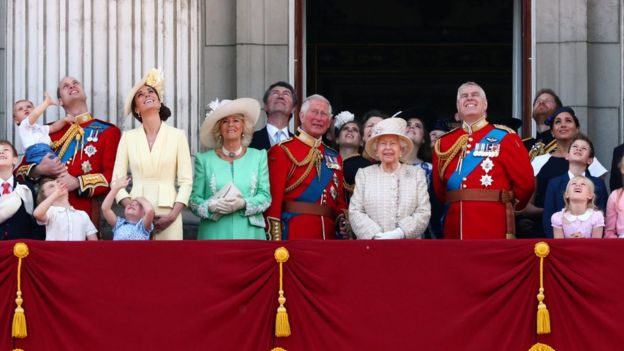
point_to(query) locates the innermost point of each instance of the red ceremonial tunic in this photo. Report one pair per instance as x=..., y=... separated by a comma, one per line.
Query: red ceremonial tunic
x=284, y=173
x=89, y=156
x=510, y=170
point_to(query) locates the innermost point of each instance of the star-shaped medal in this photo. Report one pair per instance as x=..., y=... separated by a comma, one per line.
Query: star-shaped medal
x=486, y=180
x=90, y=150
x=487, y=165
x=86, y=167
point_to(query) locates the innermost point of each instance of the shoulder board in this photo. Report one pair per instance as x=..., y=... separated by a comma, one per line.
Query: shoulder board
x=330, y=149
x=504, y=127
x=99, y=124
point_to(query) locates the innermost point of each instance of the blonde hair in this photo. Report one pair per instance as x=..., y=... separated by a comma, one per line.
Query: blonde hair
x=248, y=129
x=591, y=203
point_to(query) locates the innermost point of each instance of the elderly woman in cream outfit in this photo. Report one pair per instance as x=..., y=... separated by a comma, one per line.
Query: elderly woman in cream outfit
x=157, y=156
x=390, y=200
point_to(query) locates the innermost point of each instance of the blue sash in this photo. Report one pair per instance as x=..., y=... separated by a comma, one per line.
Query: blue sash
x=94, y=128
x=313, y=192
x=470, y=161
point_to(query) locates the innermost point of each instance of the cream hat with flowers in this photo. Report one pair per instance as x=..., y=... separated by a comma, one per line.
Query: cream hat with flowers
x=247, y=107
x=154, y=79
x=389, y=126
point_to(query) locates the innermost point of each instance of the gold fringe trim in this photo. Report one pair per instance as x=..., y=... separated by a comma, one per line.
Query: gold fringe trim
x=18, y=330
x=278, y=349
x=75, y=132
x=541, y=347
x=543, y=316
x=445, y=158
x=313, y=159
x=282, y=326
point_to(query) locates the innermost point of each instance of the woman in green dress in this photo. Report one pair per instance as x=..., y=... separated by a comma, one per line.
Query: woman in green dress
x=231, y=181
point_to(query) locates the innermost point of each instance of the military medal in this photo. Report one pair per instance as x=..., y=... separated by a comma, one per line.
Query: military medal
x=95, y=137
x=86, y=167
x=90, y=150
x=335, y=180
x=486, y=180
x=333, y=193
x=332, y=162
x=487, y=165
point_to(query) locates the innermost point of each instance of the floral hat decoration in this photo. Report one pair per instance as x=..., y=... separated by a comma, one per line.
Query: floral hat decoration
x=154, y=79
x=343, y=118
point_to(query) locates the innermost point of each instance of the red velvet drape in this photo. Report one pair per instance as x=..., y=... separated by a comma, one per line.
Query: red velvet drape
x=356, y=295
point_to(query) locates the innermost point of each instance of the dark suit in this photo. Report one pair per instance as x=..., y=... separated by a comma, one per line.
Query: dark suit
x=553, y=201
x=615, y=179
x=261, y=140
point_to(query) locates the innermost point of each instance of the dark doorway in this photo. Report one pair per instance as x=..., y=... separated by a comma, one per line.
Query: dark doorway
x=395, y=54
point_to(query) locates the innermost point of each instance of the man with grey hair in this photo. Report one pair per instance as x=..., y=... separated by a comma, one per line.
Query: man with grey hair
x=307, y=180
x=480, y=169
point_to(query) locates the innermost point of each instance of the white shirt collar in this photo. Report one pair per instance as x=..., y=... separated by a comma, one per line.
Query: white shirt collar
x=11, y=182
x=570, y=175
x=271, y=130
x=570, y=217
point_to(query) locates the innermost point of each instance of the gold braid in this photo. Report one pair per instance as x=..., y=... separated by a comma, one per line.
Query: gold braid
x=313, y=158
x=67, y=139
x=445, y=158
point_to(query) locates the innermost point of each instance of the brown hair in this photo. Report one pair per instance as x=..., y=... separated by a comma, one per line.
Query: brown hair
x=8, y=143
x=41, y=196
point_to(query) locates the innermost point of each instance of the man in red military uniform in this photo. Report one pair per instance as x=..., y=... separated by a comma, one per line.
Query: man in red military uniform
x=481, y=171
x=306, y=180
x=85, y=152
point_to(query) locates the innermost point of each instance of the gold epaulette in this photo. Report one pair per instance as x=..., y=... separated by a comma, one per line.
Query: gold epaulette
x=539, y=148
x=504, y=127
x=88, y=183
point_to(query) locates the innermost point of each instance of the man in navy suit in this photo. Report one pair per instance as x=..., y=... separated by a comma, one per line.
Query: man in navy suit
x=16, y=201
x=280, y=101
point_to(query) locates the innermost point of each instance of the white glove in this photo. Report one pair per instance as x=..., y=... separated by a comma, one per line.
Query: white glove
x=392, y=234
x=235, y=203
x=218, y=206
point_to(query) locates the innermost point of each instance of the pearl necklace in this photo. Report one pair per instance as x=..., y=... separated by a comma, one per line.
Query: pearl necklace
x=232, y=154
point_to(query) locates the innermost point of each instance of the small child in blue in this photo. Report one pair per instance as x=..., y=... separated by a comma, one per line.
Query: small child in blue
x=139, y=215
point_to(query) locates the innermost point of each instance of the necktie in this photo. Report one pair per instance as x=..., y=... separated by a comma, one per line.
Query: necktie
x=6, y=188
x=279, y=136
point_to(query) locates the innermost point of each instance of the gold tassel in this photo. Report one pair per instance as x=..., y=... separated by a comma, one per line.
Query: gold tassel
x=541, y=347
x=543, y=317
x=278, y=349
x=282, y=326
x=20, y=250
x=18, y=350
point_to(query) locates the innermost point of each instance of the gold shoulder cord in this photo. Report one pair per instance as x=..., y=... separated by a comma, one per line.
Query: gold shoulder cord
x=67, y=138
x=313, y=158
x=445, y=158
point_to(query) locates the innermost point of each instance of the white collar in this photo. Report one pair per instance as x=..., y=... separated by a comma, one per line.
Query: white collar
x=570, y=175
x=271, y=129
x=11, y=182
x=582, y=217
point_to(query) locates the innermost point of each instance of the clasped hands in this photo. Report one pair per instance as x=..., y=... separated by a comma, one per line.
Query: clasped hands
x=391, y=234
x=226, y=205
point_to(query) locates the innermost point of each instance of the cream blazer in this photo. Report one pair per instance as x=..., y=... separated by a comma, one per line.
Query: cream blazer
x=154, y=173
x=382, y=202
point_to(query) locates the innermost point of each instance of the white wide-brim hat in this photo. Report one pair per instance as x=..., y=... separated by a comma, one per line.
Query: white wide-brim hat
x=154, y=79
x=389, y=126
x=247, y=107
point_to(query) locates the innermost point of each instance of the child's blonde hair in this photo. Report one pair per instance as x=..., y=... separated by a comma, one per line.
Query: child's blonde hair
x=591, y=203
